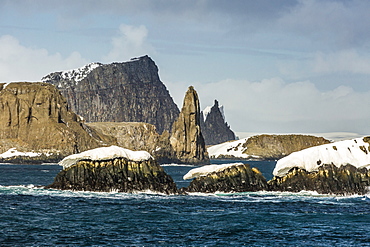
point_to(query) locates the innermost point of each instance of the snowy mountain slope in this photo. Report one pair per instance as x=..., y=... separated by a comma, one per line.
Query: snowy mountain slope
x=229, y=149
x=354, y=152
x=74, y=75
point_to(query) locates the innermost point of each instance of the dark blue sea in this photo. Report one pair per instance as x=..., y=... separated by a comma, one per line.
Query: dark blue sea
x=33, y=216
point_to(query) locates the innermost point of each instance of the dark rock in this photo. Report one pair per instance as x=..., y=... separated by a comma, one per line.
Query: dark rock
x=118, y=92
x=329, y=179
x=118, y=174
x=215, y=130
x=35, y=117
x=186, y=137
x=238, y=178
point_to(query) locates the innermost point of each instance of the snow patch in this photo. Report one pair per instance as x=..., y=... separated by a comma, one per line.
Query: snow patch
x=75, y=75
x=13, y=152
x=105, y=153
x=207, y=110
x=6, y=84
x=234, y=148
x=205, y=170
x=355, y=152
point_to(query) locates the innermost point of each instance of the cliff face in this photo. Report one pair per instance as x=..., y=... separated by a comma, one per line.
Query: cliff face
x=278, y=146
x=139, y=136
x=35, y=116
x=186, y=137
x=118, y=92
x=215, y=130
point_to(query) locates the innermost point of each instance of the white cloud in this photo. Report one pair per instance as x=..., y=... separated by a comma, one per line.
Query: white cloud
x=342, y=61
x=130, y=42
x=21, y=63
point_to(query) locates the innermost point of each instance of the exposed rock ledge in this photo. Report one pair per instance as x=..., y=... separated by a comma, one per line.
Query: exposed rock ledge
x=329, y=179
x=236, y=177
x=113, y=169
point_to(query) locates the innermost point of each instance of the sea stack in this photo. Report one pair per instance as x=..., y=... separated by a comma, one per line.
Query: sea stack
x=228, y=178
x=113, y=169
x=186, y=137
x=335, y=168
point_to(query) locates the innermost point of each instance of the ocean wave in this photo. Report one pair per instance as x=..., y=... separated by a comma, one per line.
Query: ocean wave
x=185, y=165
x=250, y=197
x=31, y=189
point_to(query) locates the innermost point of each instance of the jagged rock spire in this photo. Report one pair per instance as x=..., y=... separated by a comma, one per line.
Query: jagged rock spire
x=186, y=138
x=214, y=128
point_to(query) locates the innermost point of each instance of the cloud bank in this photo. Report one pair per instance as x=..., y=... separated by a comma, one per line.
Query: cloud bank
x=272, y=105
x=20, y=63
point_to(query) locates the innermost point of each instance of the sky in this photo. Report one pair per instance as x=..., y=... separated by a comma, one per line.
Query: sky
x=288, y=66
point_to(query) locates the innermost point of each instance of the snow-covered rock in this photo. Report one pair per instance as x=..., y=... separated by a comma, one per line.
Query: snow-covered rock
x=354, y=152
x=105, y=153
x=265, y=147
x=75, y=75
x=13, y=152
x=233, y=148
x=205, y=170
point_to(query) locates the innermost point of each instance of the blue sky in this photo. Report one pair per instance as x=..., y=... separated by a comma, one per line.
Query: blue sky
x=276, y=66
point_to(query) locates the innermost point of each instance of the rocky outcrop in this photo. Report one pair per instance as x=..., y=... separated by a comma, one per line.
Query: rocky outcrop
x=215, y=130
x=139, y=136
x=329, y=179
x=235, y=178
x=118, y=92
x=120, y=174
x=35, y=117
x=186, y=137
x=264, y=147
x=278, y=146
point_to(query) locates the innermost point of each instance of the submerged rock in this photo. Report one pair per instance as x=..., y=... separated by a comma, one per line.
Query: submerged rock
x=186, y=137
x=328, y=179
x=113, y=169
x=225, y=178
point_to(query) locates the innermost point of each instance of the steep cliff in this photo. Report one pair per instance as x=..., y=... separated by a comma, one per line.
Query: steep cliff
x=118, y=92
x=113, y=169
x=35, y=117
x=186, y=137
x=139, y=136
x=215, y=130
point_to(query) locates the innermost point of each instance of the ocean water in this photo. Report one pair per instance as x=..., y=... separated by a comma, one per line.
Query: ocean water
x=33, y=216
